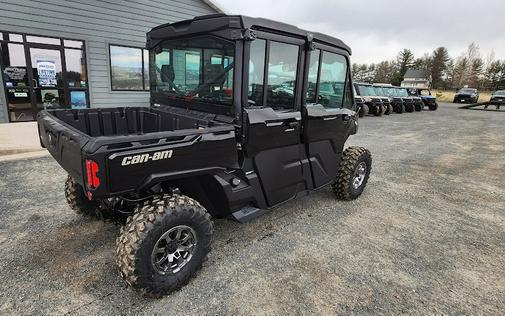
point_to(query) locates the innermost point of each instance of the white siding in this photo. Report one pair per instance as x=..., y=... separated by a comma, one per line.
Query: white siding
x=99, y=23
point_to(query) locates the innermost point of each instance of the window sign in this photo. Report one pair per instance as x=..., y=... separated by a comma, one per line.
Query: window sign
x=50, y=99
x=78, y=99
x=14, y=75
x=46, y=70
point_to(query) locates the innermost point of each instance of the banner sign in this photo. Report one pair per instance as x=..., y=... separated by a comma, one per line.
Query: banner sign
x=46, y=69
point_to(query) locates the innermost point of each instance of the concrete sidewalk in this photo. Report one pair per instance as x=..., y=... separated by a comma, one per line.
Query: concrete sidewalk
x=19, y=140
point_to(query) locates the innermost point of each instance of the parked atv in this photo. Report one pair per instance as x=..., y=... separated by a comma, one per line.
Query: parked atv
x=362, y=108
x=407, y=100
x=425, y=95
x=237, y=140
x=390, y=92
x=374, y=102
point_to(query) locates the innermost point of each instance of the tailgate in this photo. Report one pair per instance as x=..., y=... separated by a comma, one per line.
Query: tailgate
x=64, y=143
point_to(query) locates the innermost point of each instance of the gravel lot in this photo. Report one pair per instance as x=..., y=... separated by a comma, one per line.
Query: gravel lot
x=426, y=237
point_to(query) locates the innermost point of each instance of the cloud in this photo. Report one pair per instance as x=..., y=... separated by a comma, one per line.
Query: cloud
x=377, y=30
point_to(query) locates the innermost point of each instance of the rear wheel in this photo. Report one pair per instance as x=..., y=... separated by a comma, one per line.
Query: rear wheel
x=353, y=173
x=418, y=107
x=163, y=244
x=77, y=200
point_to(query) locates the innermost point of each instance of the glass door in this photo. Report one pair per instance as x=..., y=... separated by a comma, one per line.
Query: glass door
x=47, y=79
x=16, y=82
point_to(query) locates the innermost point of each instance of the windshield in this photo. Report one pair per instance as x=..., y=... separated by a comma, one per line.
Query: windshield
x=366, y=90
x=380, y=91
x=401, y=92
x=467, y=91
x=499, y=92
x=196, y=69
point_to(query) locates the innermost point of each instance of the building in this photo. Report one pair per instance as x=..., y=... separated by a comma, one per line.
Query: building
x=417, y=78
x=65, y=53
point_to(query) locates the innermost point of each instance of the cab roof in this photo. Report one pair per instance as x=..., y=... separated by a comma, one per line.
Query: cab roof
x=231, y=27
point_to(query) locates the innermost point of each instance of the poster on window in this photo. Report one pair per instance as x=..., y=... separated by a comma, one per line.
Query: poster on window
x=46, y=69
x=78, y=100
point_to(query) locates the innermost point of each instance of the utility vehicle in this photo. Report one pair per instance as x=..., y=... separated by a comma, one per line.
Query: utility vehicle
x=373, y=102
x=386, y=92
x=403, y=95
x=361, y=107
x=386, y=101
x=245, y=114
x=417, y=101
x=425, y=94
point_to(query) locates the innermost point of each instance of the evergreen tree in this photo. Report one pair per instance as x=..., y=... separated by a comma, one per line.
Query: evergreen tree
x=439, y=66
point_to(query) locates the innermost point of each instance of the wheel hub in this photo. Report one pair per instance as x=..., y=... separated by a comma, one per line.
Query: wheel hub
x=359, y=175
x=174, y=249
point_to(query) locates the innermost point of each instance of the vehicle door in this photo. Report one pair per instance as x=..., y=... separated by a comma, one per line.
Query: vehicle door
x=272, y=119
x=329, y=114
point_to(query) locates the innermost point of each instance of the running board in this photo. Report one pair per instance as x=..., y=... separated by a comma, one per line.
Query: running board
x=248, y=213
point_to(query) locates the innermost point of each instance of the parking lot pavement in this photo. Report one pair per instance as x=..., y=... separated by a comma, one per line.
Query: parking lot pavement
x=426, y=237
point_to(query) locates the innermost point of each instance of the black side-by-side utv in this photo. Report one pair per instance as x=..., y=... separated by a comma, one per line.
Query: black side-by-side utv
x=374, y=102
x=259, y=115
x=389, y=91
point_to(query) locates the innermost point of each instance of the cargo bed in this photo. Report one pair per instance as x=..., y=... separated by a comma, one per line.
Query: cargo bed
x=107, y=136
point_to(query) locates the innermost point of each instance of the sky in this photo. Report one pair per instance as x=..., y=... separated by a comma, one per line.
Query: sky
x=378, y=30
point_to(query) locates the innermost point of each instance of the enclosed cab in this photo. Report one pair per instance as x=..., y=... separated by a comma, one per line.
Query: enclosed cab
x=396, y=101
x=373, y=102
x=245, y=114
x=408, y=101
x=425, y=94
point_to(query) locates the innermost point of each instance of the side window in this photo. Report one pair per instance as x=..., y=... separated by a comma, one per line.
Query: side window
x=332, y=80
x=312, y=76
x=348, y=98
x=256, y=72
x=282, y=70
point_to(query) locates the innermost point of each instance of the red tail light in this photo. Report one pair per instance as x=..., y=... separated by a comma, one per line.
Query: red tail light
x=92, y=179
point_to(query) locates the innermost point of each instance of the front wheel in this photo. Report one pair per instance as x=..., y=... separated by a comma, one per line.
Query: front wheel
x=163, y=244
x=433, y=107
x=418, y=107
x=363, y=111
x=353, y=173
x=389, y=109
x=409, y=107
x=379, y=110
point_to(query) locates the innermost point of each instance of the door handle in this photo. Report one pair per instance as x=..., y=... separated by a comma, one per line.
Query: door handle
x=291, y=126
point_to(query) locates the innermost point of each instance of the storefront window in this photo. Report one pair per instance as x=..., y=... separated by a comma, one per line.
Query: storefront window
x=127, y=68
x=58, y=70
x=43, y=40
x=73, y=44
x=15, y=80
x=15, y=38
x=76, y=68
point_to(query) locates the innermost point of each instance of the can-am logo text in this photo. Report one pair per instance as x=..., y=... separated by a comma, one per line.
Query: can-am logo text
x=136, y=159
